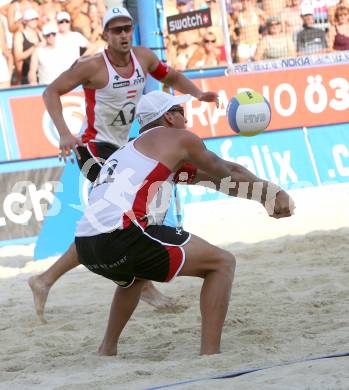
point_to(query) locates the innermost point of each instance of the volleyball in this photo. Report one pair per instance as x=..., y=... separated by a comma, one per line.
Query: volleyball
x=249, y=113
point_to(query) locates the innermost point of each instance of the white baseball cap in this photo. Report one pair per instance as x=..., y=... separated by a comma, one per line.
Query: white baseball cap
x=49, y=28
x=63, y=16
x=114, y=13
x=154, y=104
x=30, y=14
x=307, y=9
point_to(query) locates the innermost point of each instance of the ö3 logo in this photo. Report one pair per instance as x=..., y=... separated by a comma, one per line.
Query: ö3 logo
x=73, y=113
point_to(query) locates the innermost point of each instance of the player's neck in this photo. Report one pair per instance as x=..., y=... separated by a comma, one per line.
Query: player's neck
x=119, y=60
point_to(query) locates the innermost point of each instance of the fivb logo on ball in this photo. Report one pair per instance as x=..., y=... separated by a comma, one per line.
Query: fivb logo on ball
x=73, y=113
x=249, y=113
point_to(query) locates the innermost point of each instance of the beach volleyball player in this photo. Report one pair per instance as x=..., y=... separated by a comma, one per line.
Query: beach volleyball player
x=117, y=238
x=113, y=82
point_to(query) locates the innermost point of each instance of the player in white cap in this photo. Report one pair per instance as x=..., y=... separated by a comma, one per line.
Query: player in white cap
x=119, y=239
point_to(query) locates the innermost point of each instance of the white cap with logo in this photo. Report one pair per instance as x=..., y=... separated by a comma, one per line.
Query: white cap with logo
x=63, y=16
x=49, y=28
x=114, y=13
x=155, y=103
x=307, y=9
x=30, y=14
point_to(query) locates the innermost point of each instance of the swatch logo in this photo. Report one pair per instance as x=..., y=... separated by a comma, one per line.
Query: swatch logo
x=73, y=113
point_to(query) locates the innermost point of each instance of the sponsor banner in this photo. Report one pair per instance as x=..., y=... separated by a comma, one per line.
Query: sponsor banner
x=36, y=134
x=291, y=158
x=337, y=57
x=301, y=97
x=189, y=21
x=25, y=197
x=330, y=149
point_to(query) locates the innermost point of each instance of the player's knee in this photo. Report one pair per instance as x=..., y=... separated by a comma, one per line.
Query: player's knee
x=227, y=263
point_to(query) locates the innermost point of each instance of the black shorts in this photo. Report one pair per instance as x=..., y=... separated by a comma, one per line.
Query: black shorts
x=93, y=156
x=123, y=255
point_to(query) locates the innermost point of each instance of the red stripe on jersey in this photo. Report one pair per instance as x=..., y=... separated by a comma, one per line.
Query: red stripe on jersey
x=176, y=257
x=90, y=132
x=143, y=197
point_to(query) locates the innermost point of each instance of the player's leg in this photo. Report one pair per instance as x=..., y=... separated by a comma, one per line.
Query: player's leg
x=216, y=267
x=41, y=284
x=123, y=305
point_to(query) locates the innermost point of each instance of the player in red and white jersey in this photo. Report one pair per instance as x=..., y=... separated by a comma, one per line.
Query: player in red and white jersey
x=113, y=83
x=116, y=240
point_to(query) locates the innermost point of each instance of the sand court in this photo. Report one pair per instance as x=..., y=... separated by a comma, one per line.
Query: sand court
x=290, y=301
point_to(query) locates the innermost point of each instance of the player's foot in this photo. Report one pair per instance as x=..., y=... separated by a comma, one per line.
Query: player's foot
x=105, y=351
x=154, y=297
x=40, y=292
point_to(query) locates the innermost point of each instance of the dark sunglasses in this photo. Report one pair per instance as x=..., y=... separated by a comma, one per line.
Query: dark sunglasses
x=64, y=21
x=209, y=40
x=119, y=29
x=50, y=35
x=177, y=109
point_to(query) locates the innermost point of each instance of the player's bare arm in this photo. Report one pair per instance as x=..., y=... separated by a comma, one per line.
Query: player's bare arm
x=82, y=72
x=227, y=177
x=150, y=64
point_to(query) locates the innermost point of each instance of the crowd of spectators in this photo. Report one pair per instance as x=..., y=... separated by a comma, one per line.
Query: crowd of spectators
x=39, y=39
x=259, y=30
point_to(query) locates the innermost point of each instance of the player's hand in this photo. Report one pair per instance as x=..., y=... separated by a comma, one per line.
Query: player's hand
x=281, y=206
x=67, y=143
x=209, y=97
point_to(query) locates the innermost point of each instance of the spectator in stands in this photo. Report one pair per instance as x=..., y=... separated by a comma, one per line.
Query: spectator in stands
x=72, y=42
x=276, y=44
x=48, y=11
x=273, y=7
x=47, y=61
x=245, y=30
x=339, y=33
x=184, y=50
x=332, y=9
x=208, y=55
x=4, y=6
x=24, y=44
x=4, y=60
x=78, y=11
x=184, y=6
x=16, y=12
x=310, y=40
x=216, y=17
x=291, y=19
x=95, y=24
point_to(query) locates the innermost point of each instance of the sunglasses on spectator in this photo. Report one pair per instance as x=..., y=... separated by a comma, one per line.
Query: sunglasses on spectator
x=177, y=109
x=209, y=41
x=119, y=29
x=64, y=21
x=50, y=35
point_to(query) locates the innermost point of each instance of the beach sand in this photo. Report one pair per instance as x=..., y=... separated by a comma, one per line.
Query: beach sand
x=290, y=301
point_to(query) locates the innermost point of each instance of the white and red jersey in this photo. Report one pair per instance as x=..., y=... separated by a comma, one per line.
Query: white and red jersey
x=110, y=111
x=131, y=188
